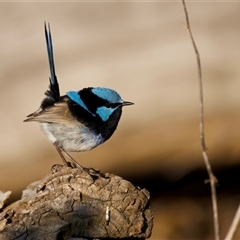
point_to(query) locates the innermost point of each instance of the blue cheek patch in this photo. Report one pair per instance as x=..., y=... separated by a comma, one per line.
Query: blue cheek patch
x=104, y=112
x=76, y=98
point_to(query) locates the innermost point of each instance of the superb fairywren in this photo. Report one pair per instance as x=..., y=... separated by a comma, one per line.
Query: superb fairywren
x=79, y=120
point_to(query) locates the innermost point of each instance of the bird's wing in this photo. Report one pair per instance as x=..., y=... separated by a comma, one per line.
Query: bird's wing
x=57, y=113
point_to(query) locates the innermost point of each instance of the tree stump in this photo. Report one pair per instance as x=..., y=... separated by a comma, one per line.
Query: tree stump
x=74, y=203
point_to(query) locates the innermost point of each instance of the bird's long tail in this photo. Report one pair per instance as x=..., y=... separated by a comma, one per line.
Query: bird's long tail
x=53, y=93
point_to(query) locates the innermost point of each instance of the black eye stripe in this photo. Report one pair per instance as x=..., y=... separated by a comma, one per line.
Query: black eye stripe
x=112, y=105
x=91, y=100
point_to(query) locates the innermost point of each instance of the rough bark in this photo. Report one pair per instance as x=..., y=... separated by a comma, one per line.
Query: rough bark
x=71, y=203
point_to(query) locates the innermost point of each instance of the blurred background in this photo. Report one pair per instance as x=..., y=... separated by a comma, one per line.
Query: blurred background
x=143, y=51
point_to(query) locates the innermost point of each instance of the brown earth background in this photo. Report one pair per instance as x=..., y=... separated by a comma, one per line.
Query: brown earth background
x=143, y=51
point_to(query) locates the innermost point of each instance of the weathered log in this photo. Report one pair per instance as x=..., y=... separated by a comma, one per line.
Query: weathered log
x=71, y=203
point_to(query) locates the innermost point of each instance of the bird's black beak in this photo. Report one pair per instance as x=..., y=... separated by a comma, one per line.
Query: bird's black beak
x=127, y=103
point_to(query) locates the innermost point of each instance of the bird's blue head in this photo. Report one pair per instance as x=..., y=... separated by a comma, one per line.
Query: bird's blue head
x=98, y=101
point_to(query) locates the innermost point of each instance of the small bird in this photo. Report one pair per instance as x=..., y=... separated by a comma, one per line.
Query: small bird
x=80, y=120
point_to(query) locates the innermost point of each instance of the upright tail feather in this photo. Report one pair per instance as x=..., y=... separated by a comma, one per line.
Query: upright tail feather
x=53, y=93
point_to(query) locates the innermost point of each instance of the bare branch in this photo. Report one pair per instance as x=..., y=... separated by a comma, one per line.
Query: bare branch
x=212, y=178
x=234, y=225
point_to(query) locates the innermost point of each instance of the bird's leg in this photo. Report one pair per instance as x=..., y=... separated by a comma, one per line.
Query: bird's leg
x=72, y=159
x=59, y=150
x=73, y=163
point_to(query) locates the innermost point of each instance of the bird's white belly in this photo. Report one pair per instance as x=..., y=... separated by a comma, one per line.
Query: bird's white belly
x=71, y=138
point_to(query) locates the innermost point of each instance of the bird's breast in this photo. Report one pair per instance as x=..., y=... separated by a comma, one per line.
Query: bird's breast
x=72, y=138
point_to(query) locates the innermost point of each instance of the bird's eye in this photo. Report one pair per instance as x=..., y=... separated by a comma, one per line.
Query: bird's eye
x=108, y=105
x=112, y=105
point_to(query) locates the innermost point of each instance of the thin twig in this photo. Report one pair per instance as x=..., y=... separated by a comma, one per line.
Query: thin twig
x=212, y=178
x=234, y=225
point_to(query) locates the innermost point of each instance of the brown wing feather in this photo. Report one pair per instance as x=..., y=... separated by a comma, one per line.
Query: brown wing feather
x=57, y=113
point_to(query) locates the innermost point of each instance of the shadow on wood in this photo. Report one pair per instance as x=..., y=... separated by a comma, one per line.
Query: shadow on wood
x=80, y=204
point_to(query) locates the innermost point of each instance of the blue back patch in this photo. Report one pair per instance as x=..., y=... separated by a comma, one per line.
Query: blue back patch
x=76, y=98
